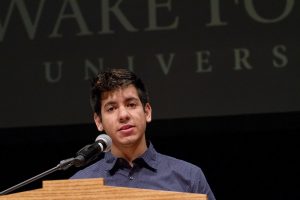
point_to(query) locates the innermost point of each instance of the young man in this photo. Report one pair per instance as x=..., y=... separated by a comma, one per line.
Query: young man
x=122, y=109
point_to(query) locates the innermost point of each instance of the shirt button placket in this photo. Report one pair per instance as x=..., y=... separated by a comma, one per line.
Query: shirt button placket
x=130, y=175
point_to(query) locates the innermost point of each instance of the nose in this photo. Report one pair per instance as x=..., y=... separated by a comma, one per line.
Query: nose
x=124, y=115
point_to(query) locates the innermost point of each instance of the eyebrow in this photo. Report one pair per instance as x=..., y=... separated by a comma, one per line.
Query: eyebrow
x=131, y=98
x=109, y=103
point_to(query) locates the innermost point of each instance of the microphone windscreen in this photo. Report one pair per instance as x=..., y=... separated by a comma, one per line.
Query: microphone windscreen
x=106, y=139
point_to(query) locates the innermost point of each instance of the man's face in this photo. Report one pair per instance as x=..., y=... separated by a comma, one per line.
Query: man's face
x=123, y=116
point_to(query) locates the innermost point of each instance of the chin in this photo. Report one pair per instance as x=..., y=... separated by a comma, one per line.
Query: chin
x=129, y=139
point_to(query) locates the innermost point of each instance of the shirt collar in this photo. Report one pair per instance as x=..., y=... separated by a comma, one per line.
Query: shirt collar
x=148, y=158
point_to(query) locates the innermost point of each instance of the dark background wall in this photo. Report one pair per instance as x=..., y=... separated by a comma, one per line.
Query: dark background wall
x=243, y=157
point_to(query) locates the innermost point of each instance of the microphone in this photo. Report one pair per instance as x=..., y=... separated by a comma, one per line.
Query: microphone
x=90, y=152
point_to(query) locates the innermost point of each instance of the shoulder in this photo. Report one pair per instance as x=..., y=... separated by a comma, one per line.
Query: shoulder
x=180, y=166
x=187, y=173
x=92, y=171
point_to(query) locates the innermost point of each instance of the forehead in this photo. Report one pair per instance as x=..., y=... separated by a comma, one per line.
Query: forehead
x=126, y=92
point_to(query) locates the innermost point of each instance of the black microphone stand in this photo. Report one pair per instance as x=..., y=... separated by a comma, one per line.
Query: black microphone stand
x=63, y=165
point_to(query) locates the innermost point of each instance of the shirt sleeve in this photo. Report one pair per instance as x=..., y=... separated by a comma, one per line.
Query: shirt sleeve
x=200, y=185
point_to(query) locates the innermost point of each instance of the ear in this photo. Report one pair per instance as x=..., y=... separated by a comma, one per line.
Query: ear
x=148, y=112
x=98, y=122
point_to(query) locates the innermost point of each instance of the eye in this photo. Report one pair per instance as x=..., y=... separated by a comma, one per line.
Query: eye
x=132, y=105
x=110, y=109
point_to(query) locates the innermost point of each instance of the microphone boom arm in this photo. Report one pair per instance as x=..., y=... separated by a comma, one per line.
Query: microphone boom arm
x=84, y=156
x=63, y=165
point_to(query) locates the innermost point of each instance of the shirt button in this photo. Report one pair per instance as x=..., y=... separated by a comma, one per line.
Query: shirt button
x=131, y=178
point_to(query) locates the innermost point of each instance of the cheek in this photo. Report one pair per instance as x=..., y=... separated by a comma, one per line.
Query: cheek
x=107, y=123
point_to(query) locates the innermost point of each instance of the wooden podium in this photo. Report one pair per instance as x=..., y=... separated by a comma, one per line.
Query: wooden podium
x=95, y=189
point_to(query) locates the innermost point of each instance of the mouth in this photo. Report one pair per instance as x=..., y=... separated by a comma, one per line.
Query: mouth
x=126, y=127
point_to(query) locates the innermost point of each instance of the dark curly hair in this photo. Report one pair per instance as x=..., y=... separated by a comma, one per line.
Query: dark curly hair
x=113, y=79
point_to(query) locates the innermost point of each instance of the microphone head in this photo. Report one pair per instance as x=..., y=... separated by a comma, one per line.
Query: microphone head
x=107, y=140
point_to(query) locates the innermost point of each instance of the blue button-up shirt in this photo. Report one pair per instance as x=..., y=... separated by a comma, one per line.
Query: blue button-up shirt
x=151, y=170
